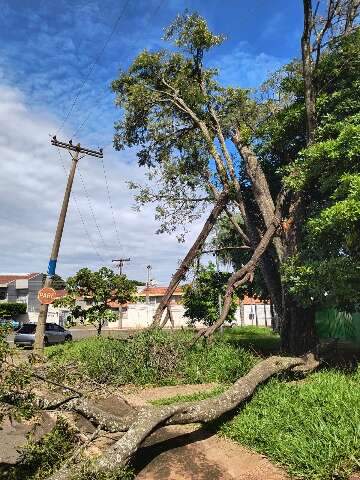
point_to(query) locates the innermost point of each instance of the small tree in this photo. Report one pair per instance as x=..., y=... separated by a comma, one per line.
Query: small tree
x=201, y=298
x=98, y=289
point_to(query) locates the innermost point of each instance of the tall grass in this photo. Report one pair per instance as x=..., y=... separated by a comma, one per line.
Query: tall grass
x=312, y=428
x=156, y=357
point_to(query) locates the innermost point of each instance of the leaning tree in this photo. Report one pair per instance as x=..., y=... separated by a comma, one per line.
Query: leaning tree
x=229, y=151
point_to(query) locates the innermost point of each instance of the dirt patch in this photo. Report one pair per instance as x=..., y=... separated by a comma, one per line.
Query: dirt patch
x=188, y=453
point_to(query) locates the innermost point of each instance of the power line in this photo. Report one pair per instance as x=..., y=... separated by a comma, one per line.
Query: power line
x=83, y=123
x=92, y=66
x=80, y=214
x=91, y=209
x=111, y=205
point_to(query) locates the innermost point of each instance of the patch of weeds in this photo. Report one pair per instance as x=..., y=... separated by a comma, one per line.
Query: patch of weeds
x=88, y=472
x=39, y=459
x=194, y=397
x=153, y=357
x=311, y=428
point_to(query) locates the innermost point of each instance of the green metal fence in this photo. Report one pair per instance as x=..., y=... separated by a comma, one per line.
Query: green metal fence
x=331, y=323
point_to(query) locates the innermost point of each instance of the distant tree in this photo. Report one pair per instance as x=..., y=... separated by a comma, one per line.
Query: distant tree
x=98, y=288
x=138, y=283
x=58, y=282
x=201, y=297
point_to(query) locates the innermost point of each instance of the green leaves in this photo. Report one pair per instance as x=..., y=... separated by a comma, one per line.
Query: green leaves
x=201, y=297
x=98, y=290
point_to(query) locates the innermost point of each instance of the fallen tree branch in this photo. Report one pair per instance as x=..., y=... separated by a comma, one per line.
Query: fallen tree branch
x=191, y=255
x=151, y=418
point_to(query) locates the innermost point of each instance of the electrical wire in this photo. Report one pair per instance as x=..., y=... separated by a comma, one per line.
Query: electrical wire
x=83, y=123
x=73, y=196
x=92, y=209
x=92, y=66
x=111, y=205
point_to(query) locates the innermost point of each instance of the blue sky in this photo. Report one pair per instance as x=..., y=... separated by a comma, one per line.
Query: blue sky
x=47, y=49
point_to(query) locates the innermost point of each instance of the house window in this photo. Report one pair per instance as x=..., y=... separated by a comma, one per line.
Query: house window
x=22, y=295
x=2, y=293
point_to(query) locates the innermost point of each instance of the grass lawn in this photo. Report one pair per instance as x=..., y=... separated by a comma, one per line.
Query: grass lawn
x=311, y=427
x=261, y=340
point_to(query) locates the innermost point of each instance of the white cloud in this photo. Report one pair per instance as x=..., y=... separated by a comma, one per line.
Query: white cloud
x=32, y=183
x=241, y=67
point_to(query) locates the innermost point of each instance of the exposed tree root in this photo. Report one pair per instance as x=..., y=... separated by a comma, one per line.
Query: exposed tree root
x=140, y=425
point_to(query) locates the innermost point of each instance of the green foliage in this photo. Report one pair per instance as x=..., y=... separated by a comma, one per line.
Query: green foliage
x=201, y=297
x=325, y=282
x=58, y=283
x=194, y=397
x=155, y=357
x=311, y=427
x=98, y=288
x=38, y=459
x=12, y=309
x=88, y=472
x=16, y=396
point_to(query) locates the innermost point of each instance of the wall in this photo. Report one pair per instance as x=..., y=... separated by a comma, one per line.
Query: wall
x=139, y=315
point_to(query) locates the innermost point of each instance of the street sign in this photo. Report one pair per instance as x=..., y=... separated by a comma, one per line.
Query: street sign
x=46, y=295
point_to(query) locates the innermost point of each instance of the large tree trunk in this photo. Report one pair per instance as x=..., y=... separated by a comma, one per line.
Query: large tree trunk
x=191, y=255
x=298, y=333
x=139, y=426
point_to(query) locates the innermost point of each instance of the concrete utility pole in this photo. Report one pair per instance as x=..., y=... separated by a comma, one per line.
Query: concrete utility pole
x=74, y=151
x=148, y=284
x=121, y=263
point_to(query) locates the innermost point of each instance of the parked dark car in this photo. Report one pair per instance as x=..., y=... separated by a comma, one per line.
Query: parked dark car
x=25, y=336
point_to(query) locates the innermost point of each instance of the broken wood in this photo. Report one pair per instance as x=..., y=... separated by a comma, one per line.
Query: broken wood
x=150, y=418
x=191, y=255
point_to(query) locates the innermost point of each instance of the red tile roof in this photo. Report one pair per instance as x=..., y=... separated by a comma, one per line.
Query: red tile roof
x=252, y=301
x=8, y=278
x=158, y=291
x=60, y=293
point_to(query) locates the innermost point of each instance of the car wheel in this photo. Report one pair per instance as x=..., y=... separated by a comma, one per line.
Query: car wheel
x=46, y=342
x=68, y=338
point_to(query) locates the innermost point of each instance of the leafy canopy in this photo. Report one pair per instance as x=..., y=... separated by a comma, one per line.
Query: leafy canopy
x=201, y=297
x=98, y=288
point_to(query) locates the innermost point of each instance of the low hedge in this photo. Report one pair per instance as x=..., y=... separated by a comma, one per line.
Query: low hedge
x=12, y=309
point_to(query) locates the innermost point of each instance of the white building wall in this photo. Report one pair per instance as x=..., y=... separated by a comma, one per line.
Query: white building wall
x=140, y=315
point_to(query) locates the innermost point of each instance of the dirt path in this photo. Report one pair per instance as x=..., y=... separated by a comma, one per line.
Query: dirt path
x=172, y=453
x=192, y=453
x=183, y=453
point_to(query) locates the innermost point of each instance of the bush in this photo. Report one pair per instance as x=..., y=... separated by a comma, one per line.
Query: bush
x=311, y=428
x=39, y=459
x=12, y=309
x=153, y=357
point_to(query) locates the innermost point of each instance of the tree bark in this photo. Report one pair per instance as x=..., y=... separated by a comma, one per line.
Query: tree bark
x=307, y=62
x=298, y=333
x=151, y=418
x=191, y=255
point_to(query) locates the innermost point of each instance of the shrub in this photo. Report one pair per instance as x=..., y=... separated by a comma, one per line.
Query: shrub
x=12, y=309
x=312, y=427
x=39, y=459
x=153, y=357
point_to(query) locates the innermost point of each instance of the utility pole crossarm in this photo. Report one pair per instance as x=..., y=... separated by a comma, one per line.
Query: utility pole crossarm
x=121, y=262
x=77, y=148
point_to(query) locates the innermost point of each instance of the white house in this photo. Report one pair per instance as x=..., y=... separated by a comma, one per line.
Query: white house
x=22, y=288
x=250, y=311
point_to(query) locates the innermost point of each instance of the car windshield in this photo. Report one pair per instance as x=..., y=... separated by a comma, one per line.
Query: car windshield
x=27, y=328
